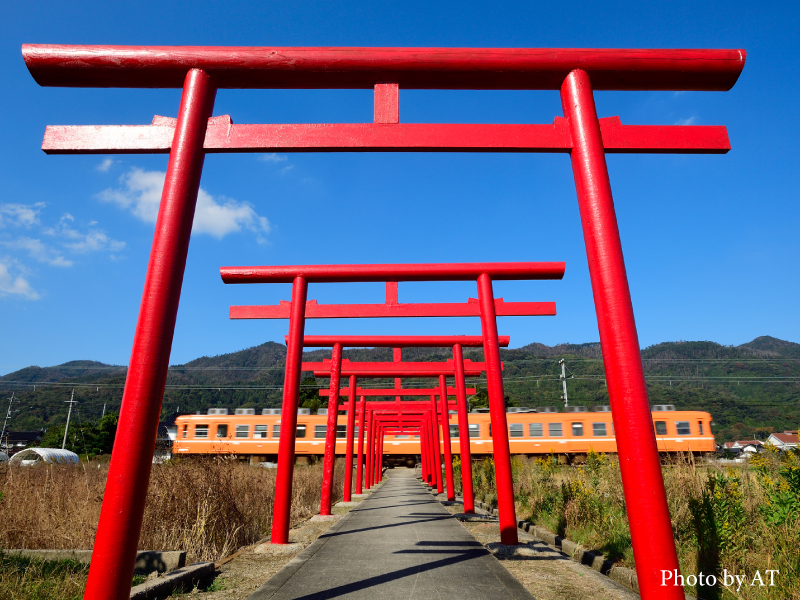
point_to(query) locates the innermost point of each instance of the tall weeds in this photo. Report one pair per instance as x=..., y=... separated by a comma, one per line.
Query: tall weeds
x=207, y=507
x=736, y=520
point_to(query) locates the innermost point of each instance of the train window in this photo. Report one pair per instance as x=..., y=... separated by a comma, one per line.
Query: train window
x=535, y=430
x=474, y=431
x=222, y=431
x=683, y=427
x=515, y=429
x=577, y=429
x=201, y=431
x=554, y=429
x=301, y=431
x=185, y=433
x=341, y=431
x=319, y=431
x=661, y=428
x=242, y=431
x=700, y=425
x=261, y=432
x=401, y=437
x=490, y=430
x=276, y=430
x=599, y=430
x=453, y=431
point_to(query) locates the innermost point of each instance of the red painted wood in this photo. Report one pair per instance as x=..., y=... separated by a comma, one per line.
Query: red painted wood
x=351, y=423
x=395, y=272
x=645, y=498
x=122, y=511
x=396, y=392
x=330, y=432
x=224, y=137
x=387, y=103
x=398, y=341
x=504, y=482
x=282, y=507
x=411, y=68
x=379, y=311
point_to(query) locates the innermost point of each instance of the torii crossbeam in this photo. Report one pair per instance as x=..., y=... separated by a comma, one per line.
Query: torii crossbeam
x=200, y=71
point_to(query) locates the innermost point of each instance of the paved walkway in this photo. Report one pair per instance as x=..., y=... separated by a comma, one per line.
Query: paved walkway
x=399, y=543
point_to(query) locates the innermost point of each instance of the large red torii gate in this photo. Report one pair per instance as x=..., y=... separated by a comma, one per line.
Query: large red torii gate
x=200, y=71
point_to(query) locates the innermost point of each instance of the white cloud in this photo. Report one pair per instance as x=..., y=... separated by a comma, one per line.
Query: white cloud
x=689, y=121
x=38, y=251
x=276, y=158
x=106, y=165
x=94, y=240
x=286, y=169
x=141, y=195
x=14, y=284
x=25, y=215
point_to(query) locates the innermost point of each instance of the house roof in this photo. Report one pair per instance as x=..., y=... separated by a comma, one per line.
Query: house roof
x=749, y=443
x=15, y=437
x=785, y=438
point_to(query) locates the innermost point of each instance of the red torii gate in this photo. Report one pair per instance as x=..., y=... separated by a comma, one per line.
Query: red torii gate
x=336, y=367
x=362, y=410
x=200, y=71
x=486, y=306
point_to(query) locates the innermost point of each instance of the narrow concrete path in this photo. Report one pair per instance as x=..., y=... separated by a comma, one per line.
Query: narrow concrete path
x=399, y=543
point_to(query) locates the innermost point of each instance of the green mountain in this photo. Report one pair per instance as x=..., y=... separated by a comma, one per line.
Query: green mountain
x=751, y=389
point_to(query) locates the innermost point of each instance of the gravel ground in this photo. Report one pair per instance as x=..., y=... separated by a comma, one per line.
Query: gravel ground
x=239, y=578
x=544, y=571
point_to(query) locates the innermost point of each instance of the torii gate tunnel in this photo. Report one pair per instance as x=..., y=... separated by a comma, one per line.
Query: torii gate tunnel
x=200, y=71
x=486, y=306
x=337, y=343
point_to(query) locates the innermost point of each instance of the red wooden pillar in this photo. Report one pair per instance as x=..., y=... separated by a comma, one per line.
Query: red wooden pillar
x=497, y=413
x=378, y=443
x=281, y=513
x=437, y=446
x=645, y=498
x=463, y=431
x=380, y=456
x=351, y=425
x=362, y=424
x=448, y=452
x=425, y=454
x=370, y=447
x=432, y=447
x=330, y=432
x=121, y=515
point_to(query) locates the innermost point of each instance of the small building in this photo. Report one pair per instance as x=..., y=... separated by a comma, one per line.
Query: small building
x=748, y=446
x=784, y=441
x=14, y=441
x=730, y=447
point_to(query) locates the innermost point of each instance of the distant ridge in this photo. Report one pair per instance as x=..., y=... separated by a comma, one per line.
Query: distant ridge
x=749, y=389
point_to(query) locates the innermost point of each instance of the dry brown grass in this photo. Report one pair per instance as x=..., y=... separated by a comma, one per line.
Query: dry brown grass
x=207, y=507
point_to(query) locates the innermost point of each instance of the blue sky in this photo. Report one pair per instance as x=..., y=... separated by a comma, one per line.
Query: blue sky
x=710, y=242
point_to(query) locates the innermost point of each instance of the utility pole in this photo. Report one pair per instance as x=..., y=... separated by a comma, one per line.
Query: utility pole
x=564, y=382
x=5, y=422
x=71, y=401
x=104, y=410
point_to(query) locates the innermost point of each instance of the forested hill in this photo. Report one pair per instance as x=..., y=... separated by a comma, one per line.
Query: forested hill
x=751, y=389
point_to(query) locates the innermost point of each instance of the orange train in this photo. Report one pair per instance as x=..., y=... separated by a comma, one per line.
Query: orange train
x=531, y=432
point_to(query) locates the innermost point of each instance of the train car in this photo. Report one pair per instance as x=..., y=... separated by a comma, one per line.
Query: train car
x=531, y=432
